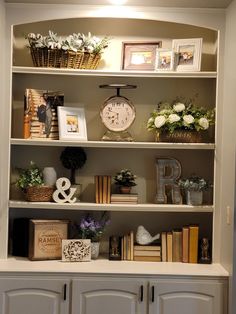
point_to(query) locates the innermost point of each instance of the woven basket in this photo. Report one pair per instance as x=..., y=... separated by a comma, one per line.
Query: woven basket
x=44, y=57
x=57, y=58
x=39, y=193
x=180, y=136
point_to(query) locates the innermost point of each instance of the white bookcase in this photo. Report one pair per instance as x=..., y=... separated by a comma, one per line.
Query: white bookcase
x=81, y=87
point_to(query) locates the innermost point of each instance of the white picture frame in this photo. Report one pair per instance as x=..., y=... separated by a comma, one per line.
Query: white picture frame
x=165, y=60
x=72, y=123
x=189, y=52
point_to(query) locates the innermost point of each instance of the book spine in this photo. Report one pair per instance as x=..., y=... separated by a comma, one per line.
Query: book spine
x=177, y=246
x=163, y=246
x=147, y=253
x=147, y=247
x=96, y=189
x=100, y=188
x=147, y=258
x=108, y=189
x=193, y=244
x=104, y=189
x=169, y=246
x=185, y=231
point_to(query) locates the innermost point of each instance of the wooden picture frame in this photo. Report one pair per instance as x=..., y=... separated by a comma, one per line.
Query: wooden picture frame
x=165, y=60
x=45, y=238
x=72, y=124
x=40, y=114
x=140, y=56
x=189, y=52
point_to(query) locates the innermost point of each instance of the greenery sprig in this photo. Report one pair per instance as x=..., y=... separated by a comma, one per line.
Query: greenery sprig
x=31, y=176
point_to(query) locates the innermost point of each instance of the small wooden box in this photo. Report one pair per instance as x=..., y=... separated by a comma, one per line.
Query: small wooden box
x=45, y=238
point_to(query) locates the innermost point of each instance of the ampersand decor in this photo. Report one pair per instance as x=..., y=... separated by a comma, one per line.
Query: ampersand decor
x=60, y=195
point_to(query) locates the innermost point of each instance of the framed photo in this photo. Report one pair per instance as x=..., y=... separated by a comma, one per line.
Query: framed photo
x=72, y=124
x=139, y=55
x=189, y=53
x=40, y=113
x=165, y=60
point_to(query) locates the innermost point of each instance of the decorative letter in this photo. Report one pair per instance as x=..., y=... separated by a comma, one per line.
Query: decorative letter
x=168, y=171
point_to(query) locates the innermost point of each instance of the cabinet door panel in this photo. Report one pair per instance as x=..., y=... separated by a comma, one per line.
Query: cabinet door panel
x=108, y=297
x=32, y=296
x=187, y=297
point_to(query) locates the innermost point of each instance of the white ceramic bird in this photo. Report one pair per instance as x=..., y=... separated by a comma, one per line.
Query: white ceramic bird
x=143, y=237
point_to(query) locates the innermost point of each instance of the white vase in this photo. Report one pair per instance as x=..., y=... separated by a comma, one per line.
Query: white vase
x=194, y=198
x=95, y=249
x=49, y=176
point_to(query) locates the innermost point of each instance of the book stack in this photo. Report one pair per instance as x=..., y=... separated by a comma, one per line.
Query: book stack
x=180, y=245
x=147, y=253
x=124, y=198
x=103, y=189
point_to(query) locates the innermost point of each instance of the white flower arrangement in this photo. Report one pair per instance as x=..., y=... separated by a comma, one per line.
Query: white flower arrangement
x=180, y=116
x=75, y=42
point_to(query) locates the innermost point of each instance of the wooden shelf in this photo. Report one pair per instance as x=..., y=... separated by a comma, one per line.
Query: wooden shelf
x=113, y=207
x=101, y=144
x=107, y=73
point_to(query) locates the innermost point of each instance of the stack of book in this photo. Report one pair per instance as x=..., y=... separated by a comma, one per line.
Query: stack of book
x=124, y=198
x=147, y=253
x=180, y=245
x=103, y=189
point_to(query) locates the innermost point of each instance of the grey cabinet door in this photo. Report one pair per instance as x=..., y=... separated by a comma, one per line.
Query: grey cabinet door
x=186, y=297
x=33, y=296
x=108, y=296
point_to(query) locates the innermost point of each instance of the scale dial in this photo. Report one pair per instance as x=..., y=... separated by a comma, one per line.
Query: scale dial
x=117, y=113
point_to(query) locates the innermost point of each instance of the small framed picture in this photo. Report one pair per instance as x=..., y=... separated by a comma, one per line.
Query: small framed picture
x=189, y=53
x=165, y=60
x=72, y=124
x=139, y=55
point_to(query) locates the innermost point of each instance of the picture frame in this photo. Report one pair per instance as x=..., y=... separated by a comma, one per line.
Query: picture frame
x=189, y=52
x=140, y=56
x=40, y=114
x=165, y=60
x=72, y=124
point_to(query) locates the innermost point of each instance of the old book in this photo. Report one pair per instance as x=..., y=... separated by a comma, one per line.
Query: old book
x=40, y=113
x=108, y=189
x=177, y=245
x=100, y=187
x=193, y=243
x=147, y=258
x=147, y=247
x=147, y=253
x=128, y=247
x=131, y=245
x=169, y=239
x=104, y=189
x=96, y=189
x=163, y=246
x=185, y=231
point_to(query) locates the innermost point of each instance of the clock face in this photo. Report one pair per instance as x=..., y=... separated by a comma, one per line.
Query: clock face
x=117, y=113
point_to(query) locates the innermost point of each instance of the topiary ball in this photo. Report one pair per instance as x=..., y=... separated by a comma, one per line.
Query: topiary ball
x=73, y=157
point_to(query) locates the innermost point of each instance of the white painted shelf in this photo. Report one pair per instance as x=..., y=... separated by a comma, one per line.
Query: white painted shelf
x=103, y=144
x=107, y=73
x=104, y=266
x=113, y=207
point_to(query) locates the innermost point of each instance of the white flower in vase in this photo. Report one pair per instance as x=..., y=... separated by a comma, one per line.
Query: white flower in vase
x=159, y=121
x=179, y=107
x=188, y=119
x=173, y=118
x=204, y=123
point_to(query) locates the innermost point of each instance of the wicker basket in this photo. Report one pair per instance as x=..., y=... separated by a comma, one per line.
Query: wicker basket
x=180, y=136
x=57, y=58
x=44, y=57
x=39, y=193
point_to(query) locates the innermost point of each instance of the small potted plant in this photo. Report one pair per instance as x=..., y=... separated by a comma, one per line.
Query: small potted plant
x=125, y=179
x=92, y=228
x=31, y=182
x=74, y=158
x=194, y=187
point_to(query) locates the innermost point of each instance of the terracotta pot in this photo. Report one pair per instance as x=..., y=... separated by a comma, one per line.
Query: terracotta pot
x=125, y=189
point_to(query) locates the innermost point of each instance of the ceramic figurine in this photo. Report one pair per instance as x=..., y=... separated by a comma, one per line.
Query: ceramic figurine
x=143, y=237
